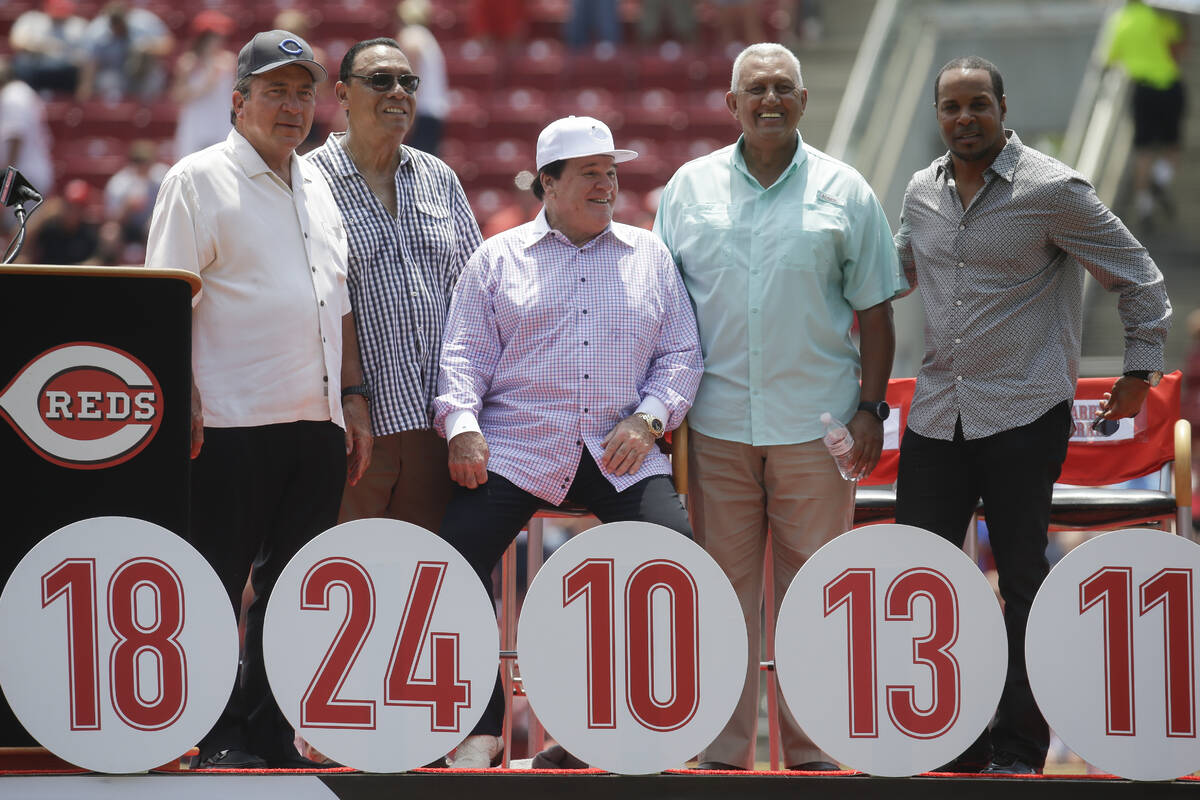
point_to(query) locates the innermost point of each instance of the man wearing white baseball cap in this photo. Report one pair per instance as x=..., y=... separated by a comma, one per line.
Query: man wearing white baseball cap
x=570, y=348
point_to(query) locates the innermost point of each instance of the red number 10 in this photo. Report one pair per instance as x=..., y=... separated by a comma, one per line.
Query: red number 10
x=1110, y=589
x=593, y=581
x=855, y=589
x=75, y=580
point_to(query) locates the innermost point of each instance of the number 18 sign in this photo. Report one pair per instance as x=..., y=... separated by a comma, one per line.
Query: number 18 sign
x=119, y=644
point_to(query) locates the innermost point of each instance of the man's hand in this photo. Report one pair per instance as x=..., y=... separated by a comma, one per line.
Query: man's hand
x=359, y=441
x=197, y=422
x=626, y=446
x=468, y=459
x=867, y=430
x=1124, y=399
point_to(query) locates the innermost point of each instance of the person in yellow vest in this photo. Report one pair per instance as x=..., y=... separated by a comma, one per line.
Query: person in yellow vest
x=1147, y=43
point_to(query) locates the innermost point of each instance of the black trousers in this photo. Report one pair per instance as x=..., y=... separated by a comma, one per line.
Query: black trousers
x=259, y=494
x=481, y=523
x=937, y=488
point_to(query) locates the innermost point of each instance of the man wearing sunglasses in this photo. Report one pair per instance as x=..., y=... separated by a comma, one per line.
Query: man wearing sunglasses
x=410, y=231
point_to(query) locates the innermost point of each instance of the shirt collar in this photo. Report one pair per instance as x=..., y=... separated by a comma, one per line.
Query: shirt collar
x=253, y=164
x=538, y=229
x=798, y=158
x=1004, y=165
x=343, y=163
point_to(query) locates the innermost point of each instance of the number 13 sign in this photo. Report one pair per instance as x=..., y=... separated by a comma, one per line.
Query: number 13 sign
x=119, y=644
x=891, y=649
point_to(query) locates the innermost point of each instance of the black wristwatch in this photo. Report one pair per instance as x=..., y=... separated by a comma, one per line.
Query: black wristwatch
x=359, y=389
x=881, y=409
x=1150, y=377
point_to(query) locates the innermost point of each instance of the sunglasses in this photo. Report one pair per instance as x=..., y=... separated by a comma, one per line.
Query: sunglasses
x=384, y=81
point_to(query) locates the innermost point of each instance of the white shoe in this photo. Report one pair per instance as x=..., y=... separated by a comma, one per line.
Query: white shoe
x=477, y=752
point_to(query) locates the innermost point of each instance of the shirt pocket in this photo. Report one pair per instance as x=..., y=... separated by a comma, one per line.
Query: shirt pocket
x=433, y=233
x=706, y=238
x=815, y=243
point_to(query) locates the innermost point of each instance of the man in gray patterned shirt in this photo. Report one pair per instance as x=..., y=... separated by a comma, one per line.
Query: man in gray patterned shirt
x=410, y=231
x=998, y=235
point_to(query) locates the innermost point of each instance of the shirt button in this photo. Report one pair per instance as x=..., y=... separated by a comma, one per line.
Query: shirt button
x=585, y=377
x=958, y=341
x=306, y=234
x=585, y=311
x=958, y=302
x=325, y=378
x=962, y=227
x=958, y=377
x=585, y=411
x=585, y=341
x=960, y=265
x=583, y=280
x=314, y=269
x=754, y=311
x=579, y=442
x=754, y=271
x=322, y=303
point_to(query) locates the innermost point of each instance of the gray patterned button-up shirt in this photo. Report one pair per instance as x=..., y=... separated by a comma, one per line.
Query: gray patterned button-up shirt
x=1002, y=284
x=402, y=271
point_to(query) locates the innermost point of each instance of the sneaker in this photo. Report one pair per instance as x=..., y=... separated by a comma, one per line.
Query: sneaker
x=479, y=751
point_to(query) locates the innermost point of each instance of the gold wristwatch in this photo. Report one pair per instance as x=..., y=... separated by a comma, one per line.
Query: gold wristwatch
x=652, y=422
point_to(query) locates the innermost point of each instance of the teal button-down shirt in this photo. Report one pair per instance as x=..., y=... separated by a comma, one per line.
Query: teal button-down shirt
x=775, y=275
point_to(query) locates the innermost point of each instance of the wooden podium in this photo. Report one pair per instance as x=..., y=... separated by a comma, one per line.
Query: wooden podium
x=94, y=405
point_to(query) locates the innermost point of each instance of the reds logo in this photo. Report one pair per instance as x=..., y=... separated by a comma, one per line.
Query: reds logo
x=84, y=405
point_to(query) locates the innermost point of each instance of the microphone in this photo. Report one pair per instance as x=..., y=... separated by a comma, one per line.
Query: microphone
x=15, y=189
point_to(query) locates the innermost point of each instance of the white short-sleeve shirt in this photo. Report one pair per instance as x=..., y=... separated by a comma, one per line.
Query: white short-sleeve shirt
x=267, y=325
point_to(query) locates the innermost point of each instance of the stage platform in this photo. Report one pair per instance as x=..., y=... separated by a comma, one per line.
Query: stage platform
x=578, y=785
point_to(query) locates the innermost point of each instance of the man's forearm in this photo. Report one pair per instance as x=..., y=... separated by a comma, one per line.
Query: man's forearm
x=877, y=346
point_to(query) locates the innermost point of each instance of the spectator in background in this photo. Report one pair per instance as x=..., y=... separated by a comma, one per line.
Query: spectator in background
x=589, y=20
x=25, y=139
x=498, y=20
x=203, y=83
x=681, y=12
x=1148, y=44
x=425, y=56
x=48, y=46
x=126, y=49
x=130, y=194
x=739, y=21
x=65, y=230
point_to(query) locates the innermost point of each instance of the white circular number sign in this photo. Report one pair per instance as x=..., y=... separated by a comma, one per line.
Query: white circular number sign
x=120, y=647
x=632, y=647
x=891, y=649
x=1111, y=651
x=380, y=645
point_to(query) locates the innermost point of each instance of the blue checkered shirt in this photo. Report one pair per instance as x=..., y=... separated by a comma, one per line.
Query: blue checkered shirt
x=551, y=345
x=402, y=271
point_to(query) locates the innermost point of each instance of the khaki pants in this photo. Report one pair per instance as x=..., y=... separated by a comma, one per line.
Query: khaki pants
x=408, y=480
x=738, y=492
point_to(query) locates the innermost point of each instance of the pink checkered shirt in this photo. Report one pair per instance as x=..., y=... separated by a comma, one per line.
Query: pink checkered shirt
x=550, y=345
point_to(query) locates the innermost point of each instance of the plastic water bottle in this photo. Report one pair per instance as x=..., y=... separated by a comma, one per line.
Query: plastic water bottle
x=839, y=443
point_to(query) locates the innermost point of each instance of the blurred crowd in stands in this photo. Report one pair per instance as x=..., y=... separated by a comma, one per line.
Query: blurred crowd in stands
x=97, y=99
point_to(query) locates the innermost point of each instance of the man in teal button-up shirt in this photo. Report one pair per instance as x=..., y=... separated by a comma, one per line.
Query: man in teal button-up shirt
x=780, y=246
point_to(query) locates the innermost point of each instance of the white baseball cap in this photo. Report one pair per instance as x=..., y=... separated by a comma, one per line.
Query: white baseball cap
x=572, y=137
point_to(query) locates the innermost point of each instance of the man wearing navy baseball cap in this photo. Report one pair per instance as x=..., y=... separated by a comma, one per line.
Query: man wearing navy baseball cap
x=279, y=409
x=570, y=348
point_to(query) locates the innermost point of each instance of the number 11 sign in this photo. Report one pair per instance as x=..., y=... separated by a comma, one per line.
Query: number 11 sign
x=1111, y=651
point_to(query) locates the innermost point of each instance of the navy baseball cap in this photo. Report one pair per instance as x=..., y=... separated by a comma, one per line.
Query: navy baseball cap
x=273, y=49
